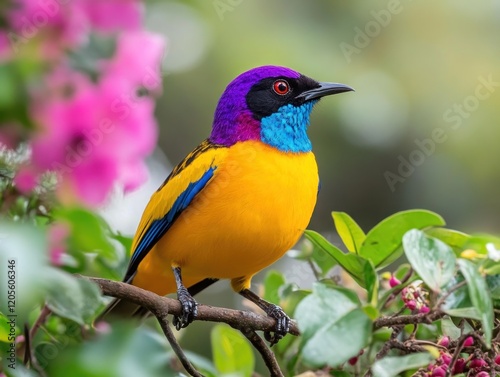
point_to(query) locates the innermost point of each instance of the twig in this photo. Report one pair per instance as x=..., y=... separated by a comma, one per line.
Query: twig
x=399, y=288
x=176, y=347
x=40, y=320
x=264, y=350
x=407, y=319
x=448, y=293
x=313, y=268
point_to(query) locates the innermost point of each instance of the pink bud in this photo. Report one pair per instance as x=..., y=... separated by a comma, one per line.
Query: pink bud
x=469, y=341
x=411, y=304
x=497, y=359
x=477, y=363
x=438, y=372
x=393, y=282
x=424, y=309
x=483, y=374
x=459, y=366
x=102, y=327
x=446, y=358
x=353, y=360
x=444, y=341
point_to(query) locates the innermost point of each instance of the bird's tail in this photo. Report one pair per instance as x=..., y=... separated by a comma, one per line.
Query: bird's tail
x=119, y=308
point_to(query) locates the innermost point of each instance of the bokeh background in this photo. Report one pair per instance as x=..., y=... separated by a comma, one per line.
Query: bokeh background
x=413, y=64
x=421, y=70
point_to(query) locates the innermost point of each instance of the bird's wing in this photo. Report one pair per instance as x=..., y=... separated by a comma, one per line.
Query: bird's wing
x=175, y=194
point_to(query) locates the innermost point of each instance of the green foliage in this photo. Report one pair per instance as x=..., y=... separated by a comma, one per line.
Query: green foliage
x=233, y=356
x=392, y=366
x=334, y=328
x=431, y=258
x=125, y=351
x=447, y=271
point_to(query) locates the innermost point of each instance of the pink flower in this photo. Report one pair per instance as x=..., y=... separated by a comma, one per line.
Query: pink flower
x=57, y=237
x=101, y=133
x=113, y=15
x=66, y=23
x=25, y=180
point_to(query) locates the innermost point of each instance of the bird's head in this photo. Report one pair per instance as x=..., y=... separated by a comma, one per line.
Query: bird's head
x=271, y=104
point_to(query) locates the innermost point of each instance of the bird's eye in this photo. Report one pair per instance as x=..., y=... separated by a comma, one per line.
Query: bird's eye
x=281, y=87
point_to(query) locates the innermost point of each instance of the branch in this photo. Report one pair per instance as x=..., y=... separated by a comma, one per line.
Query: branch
x=246, y=322
x=403, y=320
x=265, y=352
x=161, y=306
x=176, y=347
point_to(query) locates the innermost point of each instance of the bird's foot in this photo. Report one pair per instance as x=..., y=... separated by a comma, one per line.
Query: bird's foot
x=189, y=308
x=282, y=324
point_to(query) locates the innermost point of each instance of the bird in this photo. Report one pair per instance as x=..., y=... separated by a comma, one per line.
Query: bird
x=239, y=201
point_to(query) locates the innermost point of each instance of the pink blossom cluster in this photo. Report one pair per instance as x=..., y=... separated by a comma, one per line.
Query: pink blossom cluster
x=468, y=361
x=93, y=132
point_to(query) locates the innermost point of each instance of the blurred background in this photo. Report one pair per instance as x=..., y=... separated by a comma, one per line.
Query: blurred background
x=421, y=130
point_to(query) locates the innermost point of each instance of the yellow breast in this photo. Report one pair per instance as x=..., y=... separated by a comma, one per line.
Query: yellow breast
x=254, y=210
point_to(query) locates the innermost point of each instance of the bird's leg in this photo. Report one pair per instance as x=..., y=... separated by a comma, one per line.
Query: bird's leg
x=188, y=304
x=273, y=311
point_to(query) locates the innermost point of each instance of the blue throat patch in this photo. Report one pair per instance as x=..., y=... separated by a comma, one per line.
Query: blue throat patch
x=286, y=129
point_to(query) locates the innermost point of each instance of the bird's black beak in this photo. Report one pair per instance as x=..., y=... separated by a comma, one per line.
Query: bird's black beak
x=324, y=89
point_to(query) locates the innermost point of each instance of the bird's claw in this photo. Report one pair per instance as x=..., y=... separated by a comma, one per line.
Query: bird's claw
x=282, y=324
x=189, y=308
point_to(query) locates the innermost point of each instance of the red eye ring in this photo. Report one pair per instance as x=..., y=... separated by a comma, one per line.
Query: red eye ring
x=281, y=87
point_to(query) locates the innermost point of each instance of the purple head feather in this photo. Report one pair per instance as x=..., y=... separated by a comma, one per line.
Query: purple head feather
x=233, y=121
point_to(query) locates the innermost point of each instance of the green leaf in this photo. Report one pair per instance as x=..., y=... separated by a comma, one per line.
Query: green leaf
x=431, y=258
x=371, y=311
x=323, y=260
x=337, y=341
x=25, y=249
x=392, y=366
x=383, y=243
x=89, y=232
x=272, y=283
x=349, y=231
x=73, y=298
x=233, y=355
x=127, y=350
x=372, y=283
x=457, y=240
x=290, y=300
x=493, y=282
x=333, y=326
x=326, y=303
x=351, y=263
x=479, y=295
x=450, y=329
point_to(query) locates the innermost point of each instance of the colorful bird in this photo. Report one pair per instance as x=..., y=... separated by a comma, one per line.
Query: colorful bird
x=238, y=201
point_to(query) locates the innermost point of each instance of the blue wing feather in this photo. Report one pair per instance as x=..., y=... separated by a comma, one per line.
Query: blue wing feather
x=158, y=227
